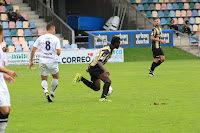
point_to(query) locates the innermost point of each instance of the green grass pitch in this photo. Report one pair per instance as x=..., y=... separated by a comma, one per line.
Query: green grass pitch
x=76, y=109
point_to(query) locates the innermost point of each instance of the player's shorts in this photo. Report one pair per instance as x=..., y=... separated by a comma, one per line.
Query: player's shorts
x=48, y=68
x=95, y=71
x=157, y=52
x=4, y=98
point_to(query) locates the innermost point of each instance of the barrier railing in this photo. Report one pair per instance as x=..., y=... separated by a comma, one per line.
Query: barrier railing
x=45, y=12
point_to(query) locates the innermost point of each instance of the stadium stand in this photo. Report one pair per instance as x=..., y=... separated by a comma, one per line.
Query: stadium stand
x=179, y=10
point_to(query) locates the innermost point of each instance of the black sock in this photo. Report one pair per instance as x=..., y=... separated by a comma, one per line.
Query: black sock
x=105, y=89
x=3, y=118
x=153, y=66
x=88, y=83
x=158, y=63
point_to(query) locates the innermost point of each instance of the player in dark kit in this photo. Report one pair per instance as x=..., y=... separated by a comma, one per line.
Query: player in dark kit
x=97, y=70
x=156, y=48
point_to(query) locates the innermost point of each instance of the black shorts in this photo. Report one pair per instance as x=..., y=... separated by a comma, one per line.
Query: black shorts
x=157, y=52
x=95, y=71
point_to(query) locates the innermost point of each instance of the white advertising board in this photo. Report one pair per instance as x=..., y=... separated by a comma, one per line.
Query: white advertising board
x=66, y=57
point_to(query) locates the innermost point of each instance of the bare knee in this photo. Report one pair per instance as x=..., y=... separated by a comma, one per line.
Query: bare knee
x=5, y=111
x=162, y=59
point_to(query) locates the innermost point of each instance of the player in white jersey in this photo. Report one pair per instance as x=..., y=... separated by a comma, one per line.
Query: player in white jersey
x=5, y=105
x=48, y=62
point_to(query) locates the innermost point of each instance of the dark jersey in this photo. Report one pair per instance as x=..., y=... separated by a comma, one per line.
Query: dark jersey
x=103, y=56
x=156, y=32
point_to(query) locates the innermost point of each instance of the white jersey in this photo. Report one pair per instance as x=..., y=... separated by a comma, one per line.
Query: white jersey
x=3, y=86
x=48, y=45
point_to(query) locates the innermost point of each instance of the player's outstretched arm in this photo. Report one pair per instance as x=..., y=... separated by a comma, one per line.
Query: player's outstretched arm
x=9, y=72
x=32, y=55
x=9, y=79
x=155, y=39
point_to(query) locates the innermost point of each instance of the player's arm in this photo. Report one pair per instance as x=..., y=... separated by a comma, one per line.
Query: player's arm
x=103, y=68
x=32, y=55
x=156, y=39
x=58, y=47
x=9, y=72
x=58, y=51
x=102, y=57
x=9, y=79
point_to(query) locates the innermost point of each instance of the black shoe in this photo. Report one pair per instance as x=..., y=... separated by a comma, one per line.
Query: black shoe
x=48, y=97
x=52, y=97
x=151, y=72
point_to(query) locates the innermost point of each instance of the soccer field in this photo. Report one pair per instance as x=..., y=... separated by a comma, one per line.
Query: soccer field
x=76, y=109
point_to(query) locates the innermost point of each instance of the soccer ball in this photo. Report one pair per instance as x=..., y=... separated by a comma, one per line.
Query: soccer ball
x=110, y=91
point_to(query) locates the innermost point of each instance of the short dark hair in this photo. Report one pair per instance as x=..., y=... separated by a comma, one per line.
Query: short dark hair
x=154, y=19
x=186, y=21
x=10, y=10
x=50, y=25
x=115, y=40
x=1, y=28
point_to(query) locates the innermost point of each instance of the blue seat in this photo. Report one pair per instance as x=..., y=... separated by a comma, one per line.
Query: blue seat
x=18, y=48
x=163, y=21
x=166, y=13
x=169, y=20
x=32, y=24
x=82, y=48
x=175, y=6
x=178, y=0
x=28, y=39
x=146, y=6
x=8, y=39
x=194, y=0
x=192, y=20
x=191, y=27
x=155, y=1
x=169, y=6
x=160, y=14
x=9, y=8
x=34, y=32
x=144, y=1
x=27, y=32
x=34, y=39
x=193, y=40
x=140, y=7
x=19, y=24
x=9, y=44
x=165, y=27
x=5, y=25
x=13, y=32
x=73, y=46
x=67, y=46
x=151, y=7
x=6, y=33
x=132, y=1
x=172, y=14
x=194, y=13
x=30, y=43
x=148, y=14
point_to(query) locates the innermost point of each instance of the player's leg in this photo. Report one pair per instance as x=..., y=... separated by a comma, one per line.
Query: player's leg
x=44, y=73
x=4, y=113
x=105, y=78
x=95, y=85
x=54, y=83
x=4, y=110
x=44, y=83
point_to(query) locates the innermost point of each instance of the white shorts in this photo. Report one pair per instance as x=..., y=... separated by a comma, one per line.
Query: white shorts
x=4, y=98
x=48, y=68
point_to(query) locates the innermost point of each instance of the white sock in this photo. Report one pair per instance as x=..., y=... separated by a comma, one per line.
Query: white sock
x=3, y=127
x=54, y=85
x=44, y=86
